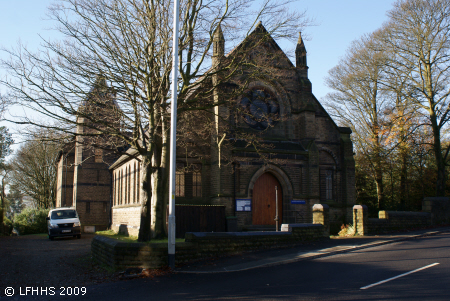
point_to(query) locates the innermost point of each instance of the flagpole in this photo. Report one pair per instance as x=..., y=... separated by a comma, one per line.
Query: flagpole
x=173, y=137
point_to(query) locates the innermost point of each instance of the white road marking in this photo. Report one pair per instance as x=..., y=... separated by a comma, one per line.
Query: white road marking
x=384, y=281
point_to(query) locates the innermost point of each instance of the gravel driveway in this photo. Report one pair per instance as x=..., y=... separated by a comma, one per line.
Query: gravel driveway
x=35, y=261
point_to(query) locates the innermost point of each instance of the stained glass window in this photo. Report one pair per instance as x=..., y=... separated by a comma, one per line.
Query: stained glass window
x=261, y=109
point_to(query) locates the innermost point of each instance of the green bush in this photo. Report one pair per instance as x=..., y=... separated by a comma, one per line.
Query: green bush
x=7, y=226
x=31, y=221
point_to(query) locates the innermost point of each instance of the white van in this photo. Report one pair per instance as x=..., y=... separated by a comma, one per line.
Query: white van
x=63, y=222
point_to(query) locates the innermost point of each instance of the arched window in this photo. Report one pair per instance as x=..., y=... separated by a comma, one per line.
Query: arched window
x=129, y=184
x=188, y=180
x=114, y=188
x=134, y=183
x=327, y=175
x=138, y=182
x=120, y=187
x=180, y=180
x=125, y=178
x=329, y=184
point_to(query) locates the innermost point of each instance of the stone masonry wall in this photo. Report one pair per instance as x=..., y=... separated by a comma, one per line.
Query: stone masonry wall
x=439, y=208
x=390, y=221
x=198, y=245
x=126, y=219
x=92, y=188
x=64, y=184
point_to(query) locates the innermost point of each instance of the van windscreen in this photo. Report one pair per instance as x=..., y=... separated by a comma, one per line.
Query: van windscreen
x=62, y=214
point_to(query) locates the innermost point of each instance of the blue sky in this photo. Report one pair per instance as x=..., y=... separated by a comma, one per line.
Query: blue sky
x=339, y=23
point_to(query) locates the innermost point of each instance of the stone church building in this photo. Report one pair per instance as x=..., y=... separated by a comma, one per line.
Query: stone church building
x=83, y=176
x=304, y=158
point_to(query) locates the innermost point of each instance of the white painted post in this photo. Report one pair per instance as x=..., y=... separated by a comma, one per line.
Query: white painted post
x=173, y=137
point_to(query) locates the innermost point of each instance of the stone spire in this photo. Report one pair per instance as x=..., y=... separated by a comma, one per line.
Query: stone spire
x=300, y=53
x=218, y=45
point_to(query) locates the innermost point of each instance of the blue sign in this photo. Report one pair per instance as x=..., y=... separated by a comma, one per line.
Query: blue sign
x=243, y=205
x=298, y=202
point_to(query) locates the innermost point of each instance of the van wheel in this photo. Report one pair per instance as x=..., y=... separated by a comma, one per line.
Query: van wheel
x=50, y=237
x=79, y=236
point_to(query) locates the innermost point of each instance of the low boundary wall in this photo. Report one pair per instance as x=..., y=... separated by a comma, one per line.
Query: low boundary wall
x=200, y=245
x=388, y=221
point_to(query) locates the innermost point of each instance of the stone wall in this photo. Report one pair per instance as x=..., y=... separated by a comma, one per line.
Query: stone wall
x=199, y=245
x=390, y=221
x=92, y=183
x=439, y=208
x=64, y=180
x=436, y=211
x=126, y=219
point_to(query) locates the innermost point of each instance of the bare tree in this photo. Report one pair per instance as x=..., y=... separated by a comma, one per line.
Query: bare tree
x=33, y=170
x=5, y=149
x=361, y=103
x=127, y=43
x=3, y=105
x=418, y=37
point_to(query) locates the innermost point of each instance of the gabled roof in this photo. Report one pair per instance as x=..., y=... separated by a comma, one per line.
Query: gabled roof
x=255, y=35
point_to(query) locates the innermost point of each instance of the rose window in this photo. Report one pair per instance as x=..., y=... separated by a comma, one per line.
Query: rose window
x=261, y=109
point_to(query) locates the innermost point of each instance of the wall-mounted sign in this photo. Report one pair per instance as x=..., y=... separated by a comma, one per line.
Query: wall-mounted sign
x=298, y=202
x=243, y=205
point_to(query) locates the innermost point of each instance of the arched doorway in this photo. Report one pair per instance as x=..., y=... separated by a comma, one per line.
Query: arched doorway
x=263, y=201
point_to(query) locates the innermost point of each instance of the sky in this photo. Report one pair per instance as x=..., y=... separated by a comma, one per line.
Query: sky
x=339, y=22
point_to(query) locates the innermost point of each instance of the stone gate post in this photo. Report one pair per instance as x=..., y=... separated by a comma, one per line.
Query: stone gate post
x=321, y=215
x=360, y=219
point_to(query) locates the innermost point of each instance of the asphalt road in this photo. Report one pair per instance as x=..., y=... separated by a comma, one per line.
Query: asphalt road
x=338, y=277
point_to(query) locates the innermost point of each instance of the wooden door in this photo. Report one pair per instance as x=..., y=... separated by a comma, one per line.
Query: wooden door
x=263, y=201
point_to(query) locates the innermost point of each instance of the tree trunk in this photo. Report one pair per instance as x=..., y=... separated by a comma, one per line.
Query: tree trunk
x=157, y=212
x=165, y=170
x=157, y=203
x=380, y=189
x=159, y=182
x=2, y=208
x=378, y=160
x=403, y=178
x=146, y=194
x=1, y=218
x=440, y=164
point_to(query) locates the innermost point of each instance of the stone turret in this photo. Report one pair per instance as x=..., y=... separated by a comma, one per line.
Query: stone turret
x=94, y=153
x=300, y=56
x=218, y=46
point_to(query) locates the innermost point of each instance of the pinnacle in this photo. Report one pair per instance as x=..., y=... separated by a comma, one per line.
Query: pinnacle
x=300, y=40
x=218, y=34
x=300, y=45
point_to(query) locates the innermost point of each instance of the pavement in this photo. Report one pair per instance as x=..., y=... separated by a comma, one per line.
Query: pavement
x=305, y=251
